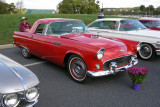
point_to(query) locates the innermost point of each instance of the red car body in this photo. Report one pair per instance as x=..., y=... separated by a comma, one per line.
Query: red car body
x=151, y=23
x=59, y=48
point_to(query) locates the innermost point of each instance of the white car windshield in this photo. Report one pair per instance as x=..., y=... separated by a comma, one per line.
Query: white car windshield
x=66, y=27
x=131, y=25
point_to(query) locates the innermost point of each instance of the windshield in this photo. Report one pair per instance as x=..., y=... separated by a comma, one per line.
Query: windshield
x=157, y=23
x=66, y=27
x=130, y=25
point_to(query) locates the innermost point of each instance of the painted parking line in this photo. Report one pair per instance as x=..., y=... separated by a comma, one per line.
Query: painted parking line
x=32, y=64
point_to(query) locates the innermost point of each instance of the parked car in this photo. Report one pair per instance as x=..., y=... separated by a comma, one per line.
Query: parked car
x=66, y=42
x=150, y=23
x=129, y=29
x=18, y=85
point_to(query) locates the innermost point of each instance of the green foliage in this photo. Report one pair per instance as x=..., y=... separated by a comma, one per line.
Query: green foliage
x=137, y=74
x=11, y=8
x=78, y=7
x=142, y=8
x=6, y=8
x=3, y=8
x=137, y=79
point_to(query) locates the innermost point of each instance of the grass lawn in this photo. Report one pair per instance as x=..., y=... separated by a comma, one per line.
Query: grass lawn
x=10, y=23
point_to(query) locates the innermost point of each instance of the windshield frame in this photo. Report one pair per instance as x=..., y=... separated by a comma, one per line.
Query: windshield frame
x=84, y=27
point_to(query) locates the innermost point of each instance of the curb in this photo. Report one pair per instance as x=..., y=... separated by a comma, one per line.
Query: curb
x=7, y=46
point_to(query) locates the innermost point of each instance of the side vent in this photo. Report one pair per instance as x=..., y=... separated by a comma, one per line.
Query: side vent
x=94, y=36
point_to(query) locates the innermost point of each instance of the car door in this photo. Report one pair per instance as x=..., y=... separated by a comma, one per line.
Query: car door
x=38, y=45
x=54, y=43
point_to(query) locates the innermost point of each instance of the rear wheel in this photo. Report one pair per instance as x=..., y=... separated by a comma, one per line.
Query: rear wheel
x=25, y=52
x=77, y=69
x=147, y=52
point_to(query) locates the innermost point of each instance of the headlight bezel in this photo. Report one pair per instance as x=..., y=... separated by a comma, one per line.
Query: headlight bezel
x=34, y=98
x=100, y=53
x=4, y=100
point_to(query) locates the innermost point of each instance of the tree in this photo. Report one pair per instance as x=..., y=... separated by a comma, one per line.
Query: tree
x=11, y=7
x=19, y=5
x=150, y=9
x=3, y=7
x=142, y=8
x=78, y=6
x=158, y=8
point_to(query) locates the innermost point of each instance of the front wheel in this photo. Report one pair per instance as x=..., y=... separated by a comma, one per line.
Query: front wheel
x=77, y=69
x=146, y=52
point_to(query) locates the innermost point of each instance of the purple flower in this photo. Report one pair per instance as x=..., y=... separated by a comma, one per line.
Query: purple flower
x=137, y=74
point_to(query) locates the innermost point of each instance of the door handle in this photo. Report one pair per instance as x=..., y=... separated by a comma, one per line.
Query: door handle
x=56, y=43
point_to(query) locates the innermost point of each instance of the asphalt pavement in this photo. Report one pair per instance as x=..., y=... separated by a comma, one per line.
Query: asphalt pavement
x=58, y=90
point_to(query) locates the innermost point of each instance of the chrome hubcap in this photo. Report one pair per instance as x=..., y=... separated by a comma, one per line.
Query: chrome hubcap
x=25, y=52
x=146, y=51
x=78, y=68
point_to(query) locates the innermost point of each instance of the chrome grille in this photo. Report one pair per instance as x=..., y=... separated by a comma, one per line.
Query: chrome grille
x=120, y=61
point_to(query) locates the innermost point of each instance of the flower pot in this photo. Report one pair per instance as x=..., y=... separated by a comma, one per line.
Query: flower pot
x=136, y=86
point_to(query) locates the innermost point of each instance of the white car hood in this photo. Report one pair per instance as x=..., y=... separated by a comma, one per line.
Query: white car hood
x=145, y=32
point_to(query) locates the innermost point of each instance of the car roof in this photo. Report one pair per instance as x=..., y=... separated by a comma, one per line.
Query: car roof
x=110, y=19
x=148, y=18
x=48, y=20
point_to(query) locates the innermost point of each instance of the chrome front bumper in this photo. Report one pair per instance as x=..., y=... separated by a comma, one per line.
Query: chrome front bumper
x=27, y=104
x=112, y=70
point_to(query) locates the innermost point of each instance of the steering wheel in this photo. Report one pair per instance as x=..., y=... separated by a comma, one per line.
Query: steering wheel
x=75, y=30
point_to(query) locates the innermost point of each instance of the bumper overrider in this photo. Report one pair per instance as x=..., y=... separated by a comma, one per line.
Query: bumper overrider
x=113, y=68
x=158, y=51
x=157, y=48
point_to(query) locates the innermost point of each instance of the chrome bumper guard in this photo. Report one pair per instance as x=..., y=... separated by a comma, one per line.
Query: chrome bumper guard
x=113, y=69
x=158, y=52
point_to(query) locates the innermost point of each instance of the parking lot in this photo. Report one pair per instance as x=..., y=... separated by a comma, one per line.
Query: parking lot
x=58, y=90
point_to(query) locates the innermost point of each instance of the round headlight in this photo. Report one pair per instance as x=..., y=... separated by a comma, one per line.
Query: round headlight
x=100, y=53
x=11, y=100
x=32, y=94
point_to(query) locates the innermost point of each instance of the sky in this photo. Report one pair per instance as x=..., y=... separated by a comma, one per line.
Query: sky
x=52, y=4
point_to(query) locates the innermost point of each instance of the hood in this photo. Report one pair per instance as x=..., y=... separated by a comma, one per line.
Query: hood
x=14, y=77
x=94, y=40
x=146, y=32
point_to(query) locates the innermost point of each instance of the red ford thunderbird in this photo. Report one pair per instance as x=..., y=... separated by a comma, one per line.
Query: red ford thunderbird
x=67, y=42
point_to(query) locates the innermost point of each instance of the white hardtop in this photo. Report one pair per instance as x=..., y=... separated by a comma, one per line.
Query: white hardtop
x=150, y=18
x=111, y=19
